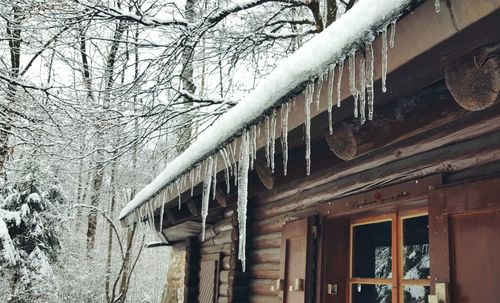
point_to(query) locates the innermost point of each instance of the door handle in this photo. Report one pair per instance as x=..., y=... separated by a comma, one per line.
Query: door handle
x=441, y=295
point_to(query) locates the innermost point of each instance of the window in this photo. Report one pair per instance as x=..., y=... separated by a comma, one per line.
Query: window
x=390, y=259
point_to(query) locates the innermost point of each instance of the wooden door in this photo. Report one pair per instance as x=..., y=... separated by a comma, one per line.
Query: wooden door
x=296, y=262
x=335, y=260
x=464, y=239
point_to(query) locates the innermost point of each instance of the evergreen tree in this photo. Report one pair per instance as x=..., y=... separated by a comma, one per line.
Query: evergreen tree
x=28, y=236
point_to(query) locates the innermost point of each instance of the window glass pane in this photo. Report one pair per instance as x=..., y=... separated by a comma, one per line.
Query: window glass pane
x=364, y=293
x=372, y=253
x=416, y=248
x=416, y=294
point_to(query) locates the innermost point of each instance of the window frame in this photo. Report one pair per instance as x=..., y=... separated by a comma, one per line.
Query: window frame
x=414, y=213
x=396, y=282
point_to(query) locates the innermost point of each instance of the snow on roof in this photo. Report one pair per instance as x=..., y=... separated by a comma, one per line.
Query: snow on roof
x=358, y=25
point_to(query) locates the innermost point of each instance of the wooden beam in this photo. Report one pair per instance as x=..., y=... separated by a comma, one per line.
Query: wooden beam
x=220, y=197
x=193, y=208
x=342, y=141
x=170, y=215
x=474, y=79
x=395, y=123
x=265, y=174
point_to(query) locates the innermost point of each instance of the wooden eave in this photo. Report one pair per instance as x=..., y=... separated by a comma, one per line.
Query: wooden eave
x=426, y=42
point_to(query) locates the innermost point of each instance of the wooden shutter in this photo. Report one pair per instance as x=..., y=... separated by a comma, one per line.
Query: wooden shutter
x=296, y=262
x=335, y=260
x=209, y=278
x=464, y=240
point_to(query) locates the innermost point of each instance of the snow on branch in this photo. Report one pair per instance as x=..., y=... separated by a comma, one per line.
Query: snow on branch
x=117, y=13
x=354, y=28
x=205, y=99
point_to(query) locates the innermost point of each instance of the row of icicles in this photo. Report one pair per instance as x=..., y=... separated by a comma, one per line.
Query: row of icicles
x=236, y=164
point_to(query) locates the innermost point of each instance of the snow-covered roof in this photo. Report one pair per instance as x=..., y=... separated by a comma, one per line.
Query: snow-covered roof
x=350, y=32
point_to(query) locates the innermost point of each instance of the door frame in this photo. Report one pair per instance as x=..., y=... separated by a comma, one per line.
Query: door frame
x=404, y=199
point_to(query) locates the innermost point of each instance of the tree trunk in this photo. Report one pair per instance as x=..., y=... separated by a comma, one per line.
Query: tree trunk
x=14, y=38
x=110, y=232
x=187, y=125
x=106, y=99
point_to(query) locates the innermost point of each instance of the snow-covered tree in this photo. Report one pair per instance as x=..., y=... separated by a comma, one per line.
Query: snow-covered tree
x=29, y=237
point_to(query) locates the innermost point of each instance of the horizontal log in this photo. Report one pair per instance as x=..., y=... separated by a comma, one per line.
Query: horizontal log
x=272, y=240
x=269, y=255
x=265, y=174
x=289, y=198
x=226, y=263
x=222, y=225
x=263, y=299
x=223, y=288
x=221, y=238
x=394, y=124
x=228, y=212
x=224, y=276
x=262, y=287
x=471, y=153
x=264, y=273
x=224, y=249
x=267, y=226
x=474, y=79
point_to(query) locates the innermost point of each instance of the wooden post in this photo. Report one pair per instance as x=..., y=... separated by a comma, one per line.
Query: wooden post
x=474, y=79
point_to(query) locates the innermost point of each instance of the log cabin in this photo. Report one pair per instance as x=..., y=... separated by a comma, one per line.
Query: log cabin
x=392, y=196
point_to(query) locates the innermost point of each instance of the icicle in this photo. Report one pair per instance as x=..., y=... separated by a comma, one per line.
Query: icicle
x=384, y=59
x=268, y=141
x=318, y=90
x=254, y=145
x=191, y=180
x=369, y=78
x=392, y=36
x=285, y=109
x=273, y=139
x=362, y=89
x=352, y=81
x=339, y=80
x=206, y=194
x=308, y=101
x=162, y=212
x=330, y=98
x=233, y=161
x=243, y=197
x=437, y=5
x=178, y=186
x=152, y=218
x=214, y=173
x=198, y=172
x=227, y=168
x=250, y=138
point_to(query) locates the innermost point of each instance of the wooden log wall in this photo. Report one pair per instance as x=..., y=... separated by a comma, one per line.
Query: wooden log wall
x=222, y=238
x=451, y=145
x=263, y=254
